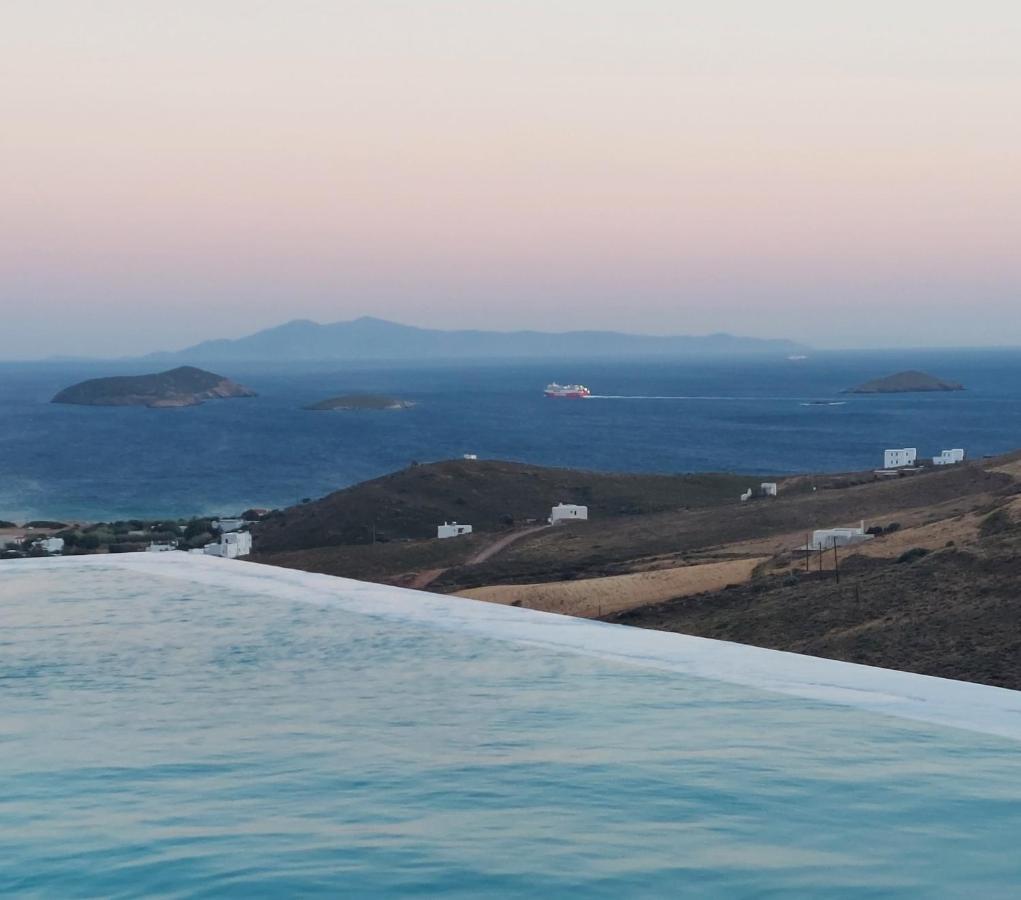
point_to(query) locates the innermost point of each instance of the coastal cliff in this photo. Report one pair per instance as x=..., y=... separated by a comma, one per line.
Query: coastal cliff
x=183, y=386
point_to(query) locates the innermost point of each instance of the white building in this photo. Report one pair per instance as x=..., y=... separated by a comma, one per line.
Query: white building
x=471, y=456
x=231, y=545
x=897, y=459
x=568, y=512
x=747, y=495
x=452, y=529
x=768, y=488
x=948, y=458
x=827, y=538
x=51, y=545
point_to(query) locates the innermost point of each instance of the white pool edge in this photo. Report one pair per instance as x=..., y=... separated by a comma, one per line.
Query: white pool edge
x=923, y=698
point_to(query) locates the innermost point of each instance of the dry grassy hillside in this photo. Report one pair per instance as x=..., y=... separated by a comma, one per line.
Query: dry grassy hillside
x=489, y=494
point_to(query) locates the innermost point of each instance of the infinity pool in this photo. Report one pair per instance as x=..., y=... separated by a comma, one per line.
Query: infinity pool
x=183, y=729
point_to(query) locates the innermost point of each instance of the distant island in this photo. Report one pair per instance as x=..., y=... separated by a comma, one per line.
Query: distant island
x=183, y=386
x=370, y=338
x=361, y=401
x=905, y=383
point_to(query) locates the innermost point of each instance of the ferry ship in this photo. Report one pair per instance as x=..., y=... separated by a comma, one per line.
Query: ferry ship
x=572, y=391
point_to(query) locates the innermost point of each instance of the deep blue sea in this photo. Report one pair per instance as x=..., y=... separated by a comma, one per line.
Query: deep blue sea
x=743, y=415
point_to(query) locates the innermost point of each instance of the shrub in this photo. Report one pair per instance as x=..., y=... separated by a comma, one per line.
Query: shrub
x=912, y=554
x=996, y=522
x=791, y=580
x=892, y=527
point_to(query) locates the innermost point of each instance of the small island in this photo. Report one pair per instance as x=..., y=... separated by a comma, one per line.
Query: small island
x=360, y=401
x=905, y=383
x=183, y=386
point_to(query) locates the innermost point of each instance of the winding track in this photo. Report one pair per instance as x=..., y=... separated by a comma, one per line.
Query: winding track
x=423, y=579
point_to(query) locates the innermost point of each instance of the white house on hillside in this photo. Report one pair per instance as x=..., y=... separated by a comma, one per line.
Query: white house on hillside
x=768, y=488
x=896, y=459
x=452, y=529
x=568, y=512
x=827, y=538
x=231, y=545
x=948, y=458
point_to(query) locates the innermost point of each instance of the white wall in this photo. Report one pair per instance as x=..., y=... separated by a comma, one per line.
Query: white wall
x=452, y=529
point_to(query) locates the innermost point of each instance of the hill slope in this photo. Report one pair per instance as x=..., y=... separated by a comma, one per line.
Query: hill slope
x=484, y=493
x=369, y=338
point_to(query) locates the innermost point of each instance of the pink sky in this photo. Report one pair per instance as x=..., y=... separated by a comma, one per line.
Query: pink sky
x=173, y=172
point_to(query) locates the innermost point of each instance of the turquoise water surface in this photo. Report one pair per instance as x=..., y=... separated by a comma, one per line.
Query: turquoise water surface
x=165, y=739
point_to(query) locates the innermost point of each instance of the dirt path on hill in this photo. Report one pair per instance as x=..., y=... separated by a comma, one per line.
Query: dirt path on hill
x=423, y=579
x=502, y=544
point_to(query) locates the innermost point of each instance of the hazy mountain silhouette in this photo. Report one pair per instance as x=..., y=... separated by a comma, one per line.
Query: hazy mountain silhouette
x=370, y=338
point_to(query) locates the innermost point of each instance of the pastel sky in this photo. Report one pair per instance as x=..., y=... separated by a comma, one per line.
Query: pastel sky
x=848, y=174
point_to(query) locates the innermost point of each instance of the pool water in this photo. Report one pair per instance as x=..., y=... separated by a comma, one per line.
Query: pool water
x=164, y=737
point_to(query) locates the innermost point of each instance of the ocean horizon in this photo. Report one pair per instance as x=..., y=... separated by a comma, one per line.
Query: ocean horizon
x=749, y=415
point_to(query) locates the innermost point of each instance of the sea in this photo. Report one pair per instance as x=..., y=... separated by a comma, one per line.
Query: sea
x=768, y=416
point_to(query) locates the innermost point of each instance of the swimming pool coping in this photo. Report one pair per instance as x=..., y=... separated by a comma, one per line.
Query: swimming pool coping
x=924, y=698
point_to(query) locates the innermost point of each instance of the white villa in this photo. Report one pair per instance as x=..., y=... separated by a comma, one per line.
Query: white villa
x=452, y=529
x=828, y=538
x=948, y=458
x=898, y=459
x=568, y=512
x=231, y=545
x=52, y=545
x=768, y=488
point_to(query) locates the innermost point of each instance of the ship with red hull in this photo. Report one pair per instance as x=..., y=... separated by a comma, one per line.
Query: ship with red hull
x=567, y=391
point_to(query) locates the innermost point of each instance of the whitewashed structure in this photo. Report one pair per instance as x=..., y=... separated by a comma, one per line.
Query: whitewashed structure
x=52, y=545
x=768, y=488
x=948, y=458
x=471, y=456
x=452, y=529
x=747, y=495
x=568, y=512
x=231, y=545
x=898, y=459
x=828, y=538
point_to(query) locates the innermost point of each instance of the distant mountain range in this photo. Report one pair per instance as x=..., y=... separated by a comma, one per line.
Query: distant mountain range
x=370, y=338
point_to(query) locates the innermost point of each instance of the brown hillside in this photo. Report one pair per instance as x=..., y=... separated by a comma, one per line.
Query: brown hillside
x=490, y=495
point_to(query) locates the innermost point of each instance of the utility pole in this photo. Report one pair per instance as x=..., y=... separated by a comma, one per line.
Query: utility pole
x=836, y=562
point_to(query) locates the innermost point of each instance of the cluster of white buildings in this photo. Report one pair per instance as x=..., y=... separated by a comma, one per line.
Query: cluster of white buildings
x=907, y=457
